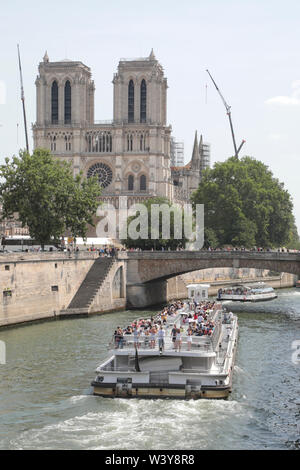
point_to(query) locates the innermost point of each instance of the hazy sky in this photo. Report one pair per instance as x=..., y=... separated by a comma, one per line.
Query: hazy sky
x=251, y=47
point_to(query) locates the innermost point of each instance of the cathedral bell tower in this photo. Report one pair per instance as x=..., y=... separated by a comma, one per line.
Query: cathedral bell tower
x=140, y=92
x=65, y=93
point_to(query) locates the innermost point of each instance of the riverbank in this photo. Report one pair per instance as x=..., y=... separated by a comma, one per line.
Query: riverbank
x=42, y=286
x=39, y=286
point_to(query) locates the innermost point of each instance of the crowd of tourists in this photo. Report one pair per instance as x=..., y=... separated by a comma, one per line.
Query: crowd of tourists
x=151, y=332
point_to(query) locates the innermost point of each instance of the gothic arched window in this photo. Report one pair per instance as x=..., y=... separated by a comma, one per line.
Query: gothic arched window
x=53, y=143
x=143, y=183
x=131, y=101
x=143, y=110
x=54, y=103
x=130, y=182
x=129, y=142
x=68, y=102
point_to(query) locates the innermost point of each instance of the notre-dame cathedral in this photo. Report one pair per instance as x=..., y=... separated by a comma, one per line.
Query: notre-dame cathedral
x=130, y=154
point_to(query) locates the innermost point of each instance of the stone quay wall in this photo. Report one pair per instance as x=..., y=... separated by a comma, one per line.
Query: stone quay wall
x=176, y=286
x=36, y=286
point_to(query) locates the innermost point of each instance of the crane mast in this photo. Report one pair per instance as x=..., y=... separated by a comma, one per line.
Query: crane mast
x=228, y=111
x=23, y=100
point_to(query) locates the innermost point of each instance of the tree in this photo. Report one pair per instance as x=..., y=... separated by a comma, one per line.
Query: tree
x=46, y=196
x=294, y=243
x=143, y=223
x=244, y=205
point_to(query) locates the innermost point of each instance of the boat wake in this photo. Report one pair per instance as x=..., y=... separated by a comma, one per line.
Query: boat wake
x=136, y=424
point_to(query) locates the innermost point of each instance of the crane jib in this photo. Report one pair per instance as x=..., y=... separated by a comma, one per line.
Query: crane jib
x=228, y=110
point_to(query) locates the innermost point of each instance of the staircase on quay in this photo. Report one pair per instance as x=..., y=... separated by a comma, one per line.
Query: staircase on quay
x=84, y=297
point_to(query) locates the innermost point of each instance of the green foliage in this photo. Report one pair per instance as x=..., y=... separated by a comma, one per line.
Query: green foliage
x=146, y=242
x=294, y=243
x=245, y=205
x=46, y=196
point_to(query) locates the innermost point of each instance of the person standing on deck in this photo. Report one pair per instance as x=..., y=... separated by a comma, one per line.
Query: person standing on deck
x=121, y=338
x=161, y=339
x=189, y=340
x=152, y=337
x=173, y=334
x=136, y=335
x=178, y=340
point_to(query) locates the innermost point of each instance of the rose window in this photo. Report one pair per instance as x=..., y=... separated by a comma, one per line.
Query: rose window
x=103, y=173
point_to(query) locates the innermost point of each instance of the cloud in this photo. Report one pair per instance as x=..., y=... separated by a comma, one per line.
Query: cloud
x=284, y=101
x=292, y=100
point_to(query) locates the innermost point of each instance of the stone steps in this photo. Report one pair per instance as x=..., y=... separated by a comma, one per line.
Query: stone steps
x=73, y=312
x=88, y=289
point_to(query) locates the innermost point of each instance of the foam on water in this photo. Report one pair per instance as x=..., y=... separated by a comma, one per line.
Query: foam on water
x=139, y=424
x=78, y=398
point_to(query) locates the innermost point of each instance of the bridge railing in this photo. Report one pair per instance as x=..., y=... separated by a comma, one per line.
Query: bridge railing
x=208, y=254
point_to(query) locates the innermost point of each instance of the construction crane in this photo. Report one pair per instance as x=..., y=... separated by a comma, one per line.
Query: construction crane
x=23, y=100
x=228, y=110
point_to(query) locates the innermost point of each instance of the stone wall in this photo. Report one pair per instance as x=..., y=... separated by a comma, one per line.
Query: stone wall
x=176, y=286
x=112, y=294
x=39, y=286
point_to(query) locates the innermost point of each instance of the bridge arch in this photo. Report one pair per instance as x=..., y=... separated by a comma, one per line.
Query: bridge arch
x=148, y=272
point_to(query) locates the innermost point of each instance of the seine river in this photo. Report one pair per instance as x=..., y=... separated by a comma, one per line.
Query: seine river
x=46, y=401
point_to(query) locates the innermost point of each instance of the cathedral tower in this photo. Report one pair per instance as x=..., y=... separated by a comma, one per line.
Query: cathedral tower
x=65, y=93
x=140, y=91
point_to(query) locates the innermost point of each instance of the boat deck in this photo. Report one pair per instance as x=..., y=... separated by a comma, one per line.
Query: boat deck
x=200, y=344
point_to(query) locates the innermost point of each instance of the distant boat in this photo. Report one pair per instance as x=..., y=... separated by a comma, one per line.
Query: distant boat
x=247, y=293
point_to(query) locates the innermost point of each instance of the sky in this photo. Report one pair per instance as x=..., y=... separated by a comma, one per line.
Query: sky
x=251, y=48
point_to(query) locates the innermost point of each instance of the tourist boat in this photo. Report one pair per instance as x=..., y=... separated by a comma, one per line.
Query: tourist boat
x=247, y=293
x=203, y=369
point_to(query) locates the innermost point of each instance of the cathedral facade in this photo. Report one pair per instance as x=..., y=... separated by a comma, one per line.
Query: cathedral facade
x=130, y=155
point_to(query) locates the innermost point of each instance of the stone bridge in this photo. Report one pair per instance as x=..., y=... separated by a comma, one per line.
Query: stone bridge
x=148, y=271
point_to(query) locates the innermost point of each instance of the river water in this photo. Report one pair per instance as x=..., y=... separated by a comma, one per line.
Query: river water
x=46, y=401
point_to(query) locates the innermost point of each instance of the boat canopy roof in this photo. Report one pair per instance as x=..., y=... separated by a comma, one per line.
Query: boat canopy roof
x=256, y=287
x=200, y=286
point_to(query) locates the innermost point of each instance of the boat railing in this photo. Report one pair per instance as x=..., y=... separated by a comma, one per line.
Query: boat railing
x=117, y=369
x=199, y=343
x=215, y=338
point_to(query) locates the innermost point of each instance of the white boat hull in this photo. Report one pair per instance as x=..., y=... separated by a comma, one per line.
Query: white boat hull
x=248, y=298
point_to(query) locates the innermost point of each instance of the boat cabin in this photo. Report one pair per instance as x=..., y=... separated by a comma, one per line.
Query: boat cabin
x=198, y=292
